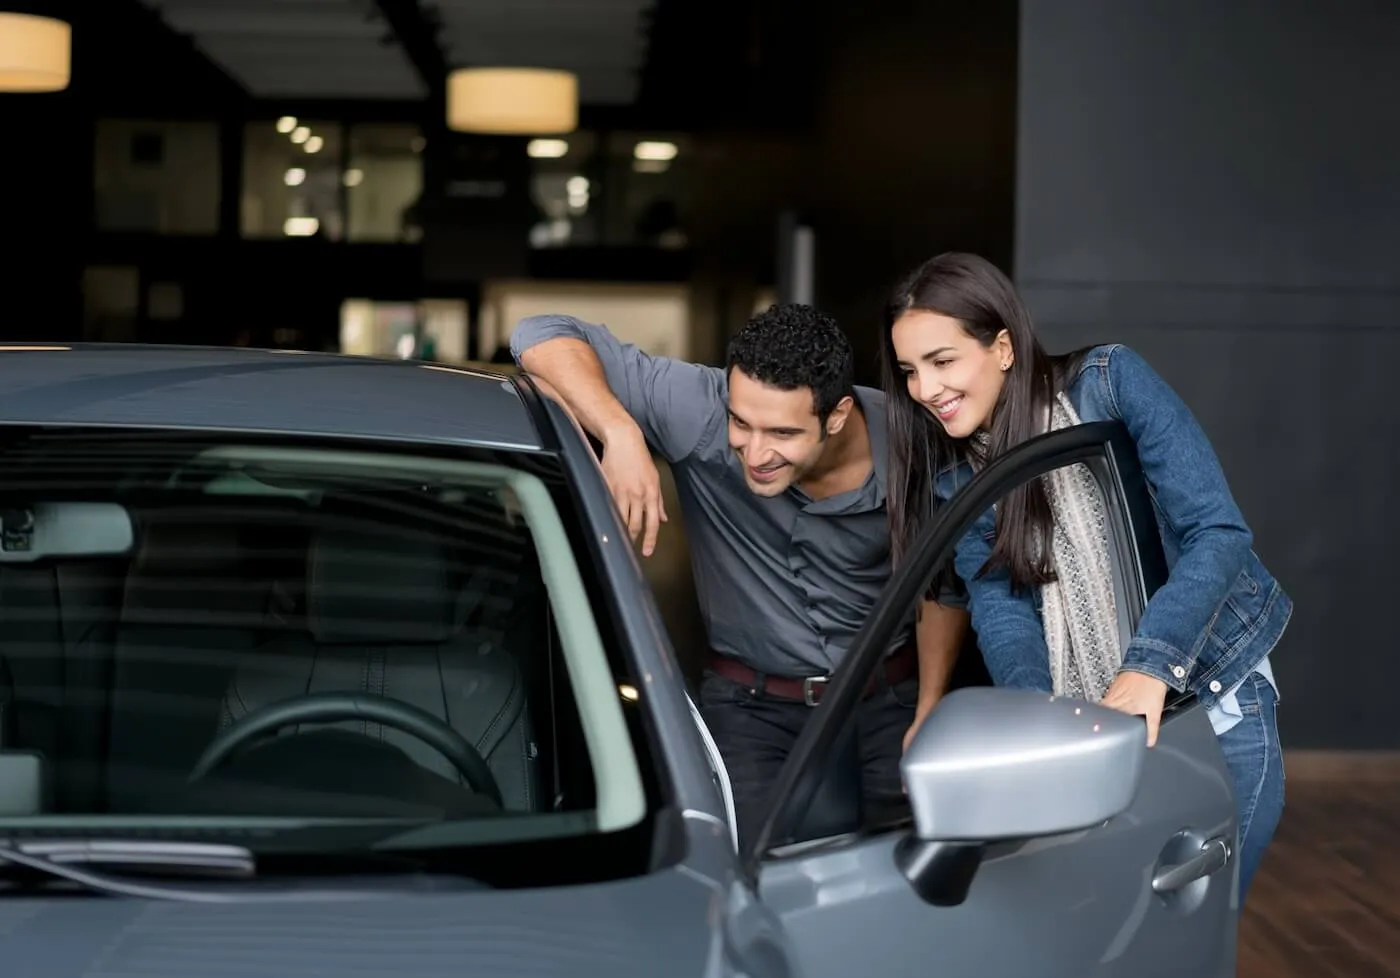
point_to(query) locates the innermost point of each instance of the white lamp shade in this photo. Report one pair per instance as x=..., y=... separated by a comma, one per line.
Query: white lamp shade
x=36, y=53
x=512, y=101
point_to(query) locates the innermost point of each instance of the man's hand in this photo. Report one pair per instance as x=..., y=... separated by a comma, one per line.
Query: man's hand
x=628, y=470
x=1140, y=694
x=635, y=484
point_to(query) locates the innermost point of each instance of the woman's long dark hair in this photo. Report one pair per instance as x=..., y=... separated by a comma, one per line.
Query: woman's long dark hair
x=973, y=291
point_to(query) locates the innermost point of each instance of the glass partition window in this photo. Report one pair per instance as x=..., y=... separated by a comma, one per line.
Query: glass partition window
x=652, y=172
x=156, y=177
x=621, y=188
x=429, y=329
x=292, y=177
x=383, y=181
x=111, y=303
x=564, y=187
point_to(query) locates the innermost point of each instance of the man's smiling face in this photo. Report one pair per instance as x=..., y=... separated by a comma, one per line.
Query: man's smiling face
x=775, y=432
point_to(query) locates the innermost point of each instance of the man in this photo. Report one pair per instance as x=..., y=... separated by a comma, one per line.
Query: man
x=779, y=462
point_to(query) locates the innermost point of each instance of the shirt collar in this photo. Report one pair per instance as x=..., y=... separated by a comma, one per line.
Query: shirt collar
x=872, y=405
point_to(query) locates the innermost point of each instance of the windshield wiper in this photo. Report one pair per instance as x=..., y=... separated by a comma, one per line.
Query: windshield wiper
x=69, y=859
x=65, y=859
x=193, y=859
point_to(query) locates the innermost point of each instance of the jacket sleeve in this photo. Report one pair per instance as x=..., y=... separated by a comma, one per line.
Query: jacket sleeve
x=1009, y=630
x=678, y=405
x=1192, y=494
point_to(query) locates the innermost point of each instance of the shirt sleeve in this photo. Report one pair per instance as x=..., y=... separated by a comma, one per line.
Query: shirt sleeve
x=679, y=406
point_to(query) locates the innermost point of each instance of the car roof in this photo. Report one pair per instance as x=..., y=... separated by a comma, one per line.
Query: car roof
x=270, y=391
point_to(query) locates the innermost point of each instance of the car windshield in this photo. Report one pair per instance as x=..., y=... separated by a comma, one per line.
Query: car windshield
x=314, y=644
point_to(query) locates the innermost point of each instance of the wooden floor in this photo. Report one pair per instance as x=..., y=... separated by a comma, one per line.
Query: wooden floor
x=1326, y=900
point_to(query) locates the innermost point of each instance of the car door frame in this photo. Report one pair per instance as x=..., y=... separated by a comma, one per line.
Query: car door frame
x=1108, y=451
x=721, y=773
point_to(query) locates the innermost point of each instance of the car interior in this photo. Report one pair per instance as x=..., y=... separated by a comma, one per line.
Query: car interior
x=236, y=656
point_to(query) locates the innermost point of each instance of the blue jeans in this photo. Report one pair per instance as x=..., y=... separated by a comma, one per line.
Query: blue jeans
x=1255, y=760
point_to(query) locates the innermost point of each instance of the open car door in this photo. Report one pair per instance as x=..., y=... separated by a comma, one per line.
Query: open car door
x=1046, y=839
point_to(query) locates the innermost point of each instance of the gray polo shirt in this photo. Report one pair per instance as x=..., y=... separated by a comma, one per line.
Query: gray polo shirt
x=785, y=582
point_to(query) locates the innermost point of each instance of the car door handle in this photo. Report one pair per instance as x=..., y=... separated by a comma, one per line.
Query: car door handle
x=1212, y=857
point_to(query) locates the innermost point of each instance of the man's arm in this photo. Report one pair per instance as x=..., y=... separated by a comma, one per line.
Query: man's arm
x=630, y=401
x=615, y=389
x=571, y=371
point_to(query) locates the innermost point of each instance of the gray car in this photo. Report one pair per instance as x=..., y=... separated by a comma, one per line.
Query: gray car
x=325, y=666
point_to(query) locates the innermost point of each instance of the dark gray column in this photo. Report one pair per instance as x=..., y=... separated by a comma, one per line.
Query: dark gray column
x=1217, y=183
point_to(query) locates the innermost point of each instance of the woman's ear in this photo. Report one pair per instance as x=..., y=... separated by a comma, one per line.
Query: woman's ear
x=1005, y=352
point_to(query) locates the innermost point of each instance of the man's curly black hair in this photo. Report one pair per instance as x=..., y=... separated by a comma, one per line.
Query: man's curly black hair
x=794, y=346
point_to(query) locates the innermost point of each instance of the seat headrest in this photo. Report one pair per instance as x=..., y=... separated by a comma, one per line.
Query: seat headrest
x=366, y=586
x=177, y=548
x=185, y=569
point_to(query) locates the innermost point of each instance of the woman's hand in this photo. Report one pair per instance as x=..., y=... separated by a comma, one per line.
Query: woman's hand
x=1139, y=694
x=913, y=729
x=921, y=713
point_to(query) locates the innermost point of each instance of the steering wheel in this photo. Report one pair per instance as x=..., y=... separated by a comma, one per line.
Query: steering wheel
x=336, y=707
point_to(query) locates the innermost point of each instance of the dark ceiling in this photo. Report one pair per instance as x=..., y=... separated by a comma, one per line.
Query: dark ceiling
x=657, y=64
x=368, y=49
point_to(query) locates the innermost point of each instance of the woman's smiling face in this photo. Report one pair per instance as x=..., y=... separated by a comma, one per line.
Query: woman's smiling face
x=946, y=370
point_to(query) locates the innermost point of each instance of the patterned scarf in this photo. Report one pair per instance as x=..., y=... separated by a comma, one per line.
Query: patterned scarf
x=1078, y=609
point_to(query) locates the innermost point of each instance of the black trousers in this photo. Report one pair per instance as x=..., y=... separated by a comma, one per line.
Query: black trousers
x=755, y=733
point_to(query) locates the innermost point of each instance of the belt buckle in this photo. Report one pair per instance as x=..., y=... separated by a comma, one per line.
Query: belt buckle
x=809, y=688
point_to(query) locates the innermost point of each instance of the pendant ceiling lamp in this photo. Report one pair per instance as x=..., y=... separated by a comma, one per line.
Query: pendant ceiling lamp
x=35, y=53
x=512, y=101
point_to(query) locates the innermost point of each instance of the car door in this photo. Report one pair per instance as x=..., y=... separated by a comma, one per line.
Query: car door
x=717, y=770
x=1150, y=892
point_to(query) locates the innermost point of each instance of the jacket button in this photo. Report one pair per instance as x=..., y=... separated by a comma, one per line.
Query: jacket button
x=1215, y=686
x=1178, y=671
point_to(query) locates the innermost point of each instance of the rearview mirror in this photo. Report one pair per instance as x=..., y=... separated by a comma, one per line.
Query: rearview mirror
x=64, y=529
x=991, y=764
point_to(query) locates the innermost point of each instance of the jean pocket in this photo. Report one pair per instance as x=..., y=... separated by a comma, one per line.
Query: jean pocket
x=1251, y=694
x=905, y=694
x=716, y=690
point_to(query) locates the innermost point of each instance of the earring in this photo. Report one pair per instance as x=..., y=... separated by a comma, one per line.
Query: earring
x=1006, y=366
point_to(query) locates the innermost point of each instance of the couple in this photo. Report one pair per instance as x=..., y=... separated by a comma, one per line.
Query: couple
x=800, y=489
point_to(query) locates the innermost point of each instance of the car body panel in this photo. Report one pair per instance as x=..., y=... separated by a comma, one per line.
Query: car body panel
x=1077, y=905
x=262, y=391
x=668, y=923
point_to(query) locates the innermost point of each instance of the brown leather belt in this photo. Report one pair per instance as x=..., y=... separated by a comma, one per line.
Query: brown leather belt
x=899, y=666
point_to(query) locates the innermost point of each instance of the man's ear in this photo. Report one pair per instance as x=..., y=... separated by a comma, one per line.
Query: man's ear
x=839, y=415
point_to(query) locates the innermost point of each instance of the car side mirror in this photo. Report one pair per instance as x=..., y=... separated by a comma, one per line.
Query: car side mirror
x=992, y=765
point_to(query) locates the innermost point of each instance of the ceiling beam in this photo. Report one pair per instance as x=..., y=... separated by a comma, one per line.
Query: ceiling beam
x=416, y=31
x=733, y=64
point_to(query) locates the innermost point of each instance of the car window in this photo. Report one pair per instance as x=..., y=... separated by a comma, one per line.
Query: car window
x=302, y=633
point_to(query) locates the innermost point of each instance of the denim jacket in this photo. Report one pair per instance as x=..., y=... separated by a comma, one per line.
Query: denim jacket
x=1220, y=612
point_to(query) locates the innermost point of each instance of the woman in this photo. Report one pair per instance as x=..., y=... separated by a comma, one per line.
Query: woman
x=966, y=381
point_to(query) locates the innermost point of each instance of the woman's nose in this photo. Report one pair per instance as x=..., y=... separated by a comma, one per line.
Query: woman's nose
x=928, y=385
